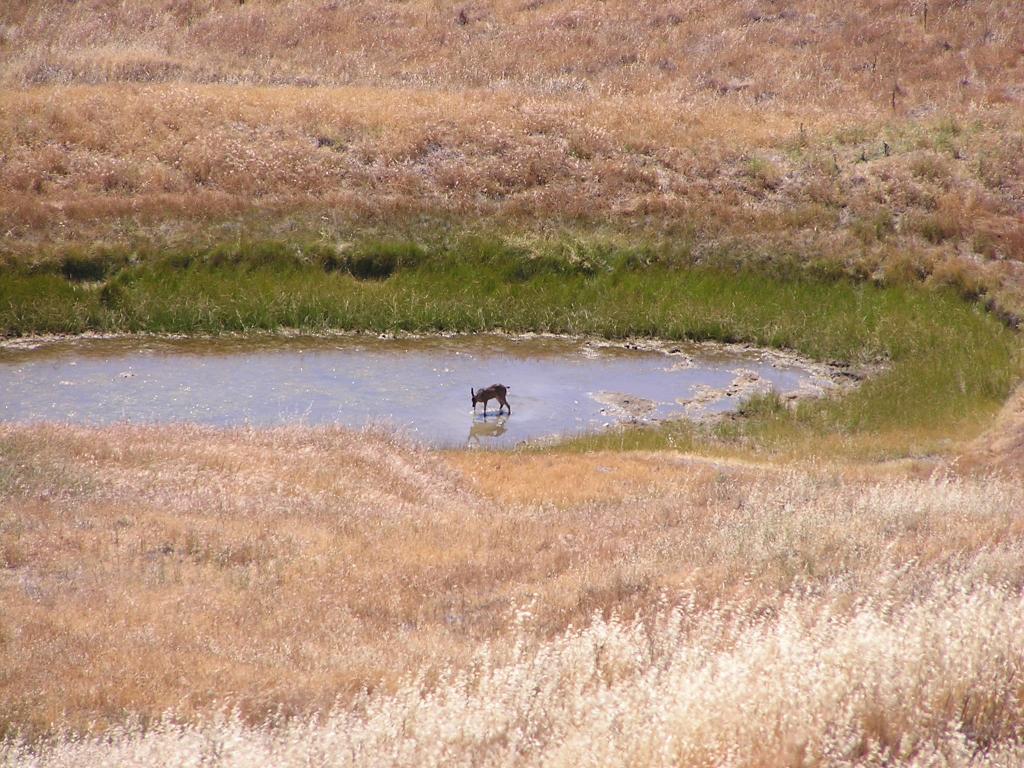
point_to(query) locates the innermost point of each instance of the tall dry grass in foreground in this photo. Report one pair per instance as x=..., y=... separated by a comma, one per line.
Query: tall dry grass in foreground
x=385, y=605
x=932, y=685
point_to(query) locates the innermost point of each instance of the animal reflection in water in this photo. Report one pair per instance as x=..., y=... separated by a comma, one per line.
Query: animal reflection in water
x=487, y=430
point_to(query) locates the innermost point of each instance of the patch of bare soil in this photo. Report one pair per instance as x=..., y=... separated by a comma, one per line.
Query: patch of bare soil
x=1001, y=447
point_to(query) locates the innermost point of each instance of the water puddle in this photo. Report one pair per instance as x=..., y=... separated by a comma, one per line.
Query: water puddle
x=420, y=386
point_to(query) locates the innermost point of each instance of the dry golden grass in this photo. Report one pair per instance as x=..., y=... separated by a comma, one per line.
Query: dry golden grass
x=400, y=607
x=1001, y=447
x=810, y=613
x=803, y=52
x=815, y=685
x=133, y=123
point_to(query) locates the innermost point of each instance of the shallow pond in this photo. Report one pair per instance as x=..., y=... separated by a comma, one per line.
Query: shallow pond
x=421, y=386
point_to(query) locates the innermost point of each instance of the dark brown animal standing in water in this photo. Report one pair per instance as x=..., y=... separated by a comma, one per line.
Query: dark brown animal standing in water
x=493, y=392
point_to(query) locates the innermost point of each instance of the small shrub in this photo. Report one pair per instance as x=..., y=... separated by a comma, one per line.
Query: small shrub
x=259, y=255
x=947, y=134
x=763, y=173
x=962, y=276
x=930, y=167
x=523, y=269
x=84, y=267
x=762, y=404
x=373, y=266
x=113, y=295
x=178, y=260
x=825, y=191
x=380, y=260
x=874, y=226
x=852, y=134
x=935, y=227
x=635, y=260
x=826, y=269
x=902, y=267
x=985, y=243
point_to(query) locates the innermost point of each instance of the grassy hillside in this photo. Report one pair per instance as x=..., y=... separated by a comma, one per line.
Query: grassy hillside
x=885, y=136
x=825, y=52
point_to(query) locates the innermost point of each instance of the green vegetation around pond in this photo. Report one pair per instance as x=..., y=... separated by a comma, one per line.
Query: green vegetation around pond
x=947, y=363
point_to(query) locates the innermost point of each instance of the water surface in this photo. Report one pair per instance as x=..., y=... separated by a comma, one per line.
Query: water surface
x=420, y=386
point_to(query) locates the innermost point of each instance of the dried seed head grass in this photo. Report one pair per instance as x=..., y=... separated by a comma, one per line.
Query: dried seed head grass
x=368, y=597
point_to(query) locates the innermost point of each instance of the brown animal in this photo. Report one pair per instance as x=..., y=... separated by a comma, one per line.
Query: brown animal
x=493, y=392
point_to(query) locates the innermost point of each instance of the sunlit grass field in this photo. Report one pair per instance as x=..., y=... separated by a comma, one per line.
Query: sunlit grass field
x=882, y=137
x=348, y=599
